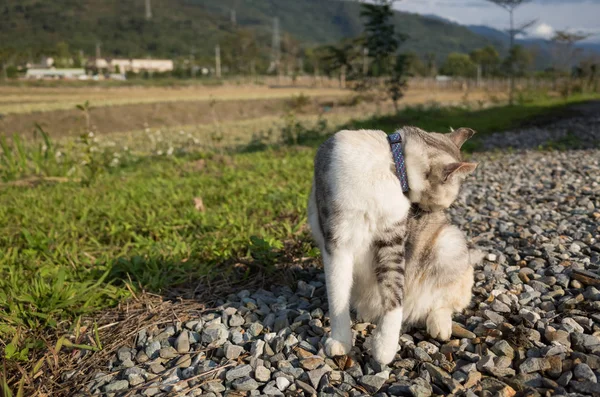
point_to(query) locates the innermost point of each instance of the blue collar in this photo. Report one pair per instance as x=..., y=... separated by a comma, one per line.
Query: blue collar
x=396, y=145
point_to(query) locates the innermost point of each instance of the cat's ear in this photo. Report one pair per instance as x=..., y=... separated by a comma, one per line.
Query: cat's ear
x=460, y=136
x=458, y=169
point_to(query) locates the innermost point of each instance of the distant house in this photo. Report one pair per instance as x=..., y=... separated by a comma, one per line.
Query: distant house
x=53, y=73
x=131, y=65
x=46, y=63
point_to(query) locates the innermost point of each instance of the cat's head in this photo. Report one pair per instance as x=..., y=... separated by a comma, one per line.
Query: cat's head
x=435, y=167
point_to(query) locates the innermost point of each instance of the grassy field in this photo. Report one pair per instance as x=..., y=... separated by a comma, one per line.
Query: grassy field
x=126, y=109
x=86, y=223
x=43, y=99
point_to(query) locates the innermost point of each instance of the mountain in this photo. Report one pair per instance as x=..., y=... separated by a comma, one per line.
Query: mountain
x=180, y=27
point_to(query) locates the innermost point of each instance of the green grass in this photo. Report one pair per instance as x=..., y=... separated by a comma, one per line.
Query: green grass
x=484, y=121
x=68, y=249
x=75, y=246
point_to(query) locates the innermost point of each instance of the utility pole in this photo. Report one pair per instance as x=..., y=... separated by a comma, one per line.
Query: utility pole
x=365, y=61
x=148, y=10
x=98, y=51
x=276, y=45
x=193, y=63
x=218, y=61
x=233, y=17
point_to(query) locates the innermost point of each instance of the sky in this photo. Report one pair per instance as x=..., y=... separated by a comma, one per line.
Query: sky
x=551, y=15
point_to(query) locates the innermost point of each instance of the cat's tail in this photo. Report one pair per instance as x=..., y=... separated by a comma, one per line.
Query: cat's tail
x=475, y=256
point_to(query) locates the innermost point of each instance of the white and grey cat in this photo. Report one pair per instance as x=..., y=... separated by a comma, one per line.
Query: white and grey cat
x=358, y=215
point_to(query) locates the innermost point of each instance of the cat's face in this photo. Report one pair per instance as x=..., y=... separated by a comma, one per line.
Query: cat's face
x=437, y=169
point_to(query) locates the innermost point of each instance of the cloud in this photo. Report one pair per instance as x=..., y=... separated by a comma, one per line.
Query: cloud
x=575, y=15
x=541, y=30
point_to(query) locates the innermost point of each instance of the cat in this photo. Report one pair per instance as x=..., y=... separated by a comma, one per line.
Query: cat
x=357, y=213
x=438, y=278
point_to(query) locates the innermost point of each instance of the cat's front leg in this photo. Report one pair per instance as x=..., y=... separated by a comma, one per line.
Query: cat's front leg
x=384, y=342
x=439, y=323
x=389, y=271
x=338, y=275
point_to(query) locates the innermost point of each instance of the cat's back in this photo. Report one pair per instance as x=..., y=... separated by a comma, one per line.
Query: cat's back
x=355, y=154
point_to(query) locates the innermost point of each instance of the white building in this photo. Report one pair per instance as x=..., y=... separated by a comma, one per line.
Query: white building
x=53, y=73
x=133, y=65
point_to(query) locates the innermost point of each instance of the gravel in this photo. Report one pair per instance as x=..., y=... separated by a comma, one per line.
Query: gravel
x=533, y=325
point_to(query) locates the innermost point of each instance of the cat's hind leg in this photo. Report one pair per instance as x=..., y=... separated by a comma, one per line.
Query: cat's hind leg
x=439, y=323
x=338, y=274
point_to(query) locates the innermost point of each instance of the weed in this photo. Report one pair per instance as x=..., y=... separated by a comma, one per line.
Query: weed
x=295, y=132
x=85, y=109
x=298, y=102
x=569, y=141
x=264, y=251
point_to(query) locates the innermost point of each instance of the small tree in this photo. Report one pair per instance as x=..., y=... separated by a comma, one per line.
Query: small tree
x=566, y=54
x=397, y=82
x=488, y=58
x=431, y=64
x=510, y=6
x=341, y=56
x=459, y=65
x=382, y=44
x=519, y=61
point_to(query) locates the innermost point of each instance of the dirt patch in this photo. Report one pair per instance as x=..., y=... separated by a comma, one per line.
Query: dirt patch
x=176, y=113
x=104, y=120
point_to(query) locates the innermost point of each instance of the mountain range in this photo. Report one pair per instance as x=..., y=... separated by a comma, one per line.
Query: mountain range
x=178, y=28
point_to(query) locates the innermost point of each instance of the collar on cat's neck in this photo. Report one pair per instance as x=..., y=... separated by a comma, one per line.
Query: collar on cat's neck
x=398, y=155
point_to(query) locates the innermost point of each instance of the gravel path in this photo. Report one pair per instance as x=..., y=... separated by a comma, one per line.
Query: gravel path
x=533, y=327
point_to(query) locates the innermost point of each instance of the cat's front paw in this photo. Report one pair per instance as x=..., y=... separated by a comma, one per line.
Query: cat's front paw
x=382, y=349
x=439, y=324
x=335, y=348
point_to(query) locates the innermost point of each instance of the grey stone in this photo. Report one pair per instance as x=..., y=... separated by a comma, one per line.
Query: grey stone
x=257, y=348
x=372, y=383
x=232, y=351
x=583, y=372
x=534, y=364
x=168, y=352
x=502, y=348
x=135, y=379
x=485, y=363
x=182, y=343
x=152, y=349
x=244, y=384
x=255, y=329
x=305, y=289
x=124, y=354
x=236, y=320
x=583, y=342
x=316, y=374
x=565, y=378
x=215, y=335
x=213, y=386
x=262, y=374
x=585, y=387
x=271, y=390
x=499, y=306
x=306, y=387
x=282, y=383
x=238, y=372
x=116, y=386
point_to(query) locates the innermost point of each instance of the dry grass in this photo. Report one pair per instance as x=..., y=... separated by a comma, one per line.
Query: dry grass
x=70, y=362
x=44, y=99
x=177, y=109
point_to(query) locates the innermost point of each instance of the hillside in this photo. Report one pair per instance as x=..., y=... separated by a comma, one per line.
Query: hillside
x=179, y=27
